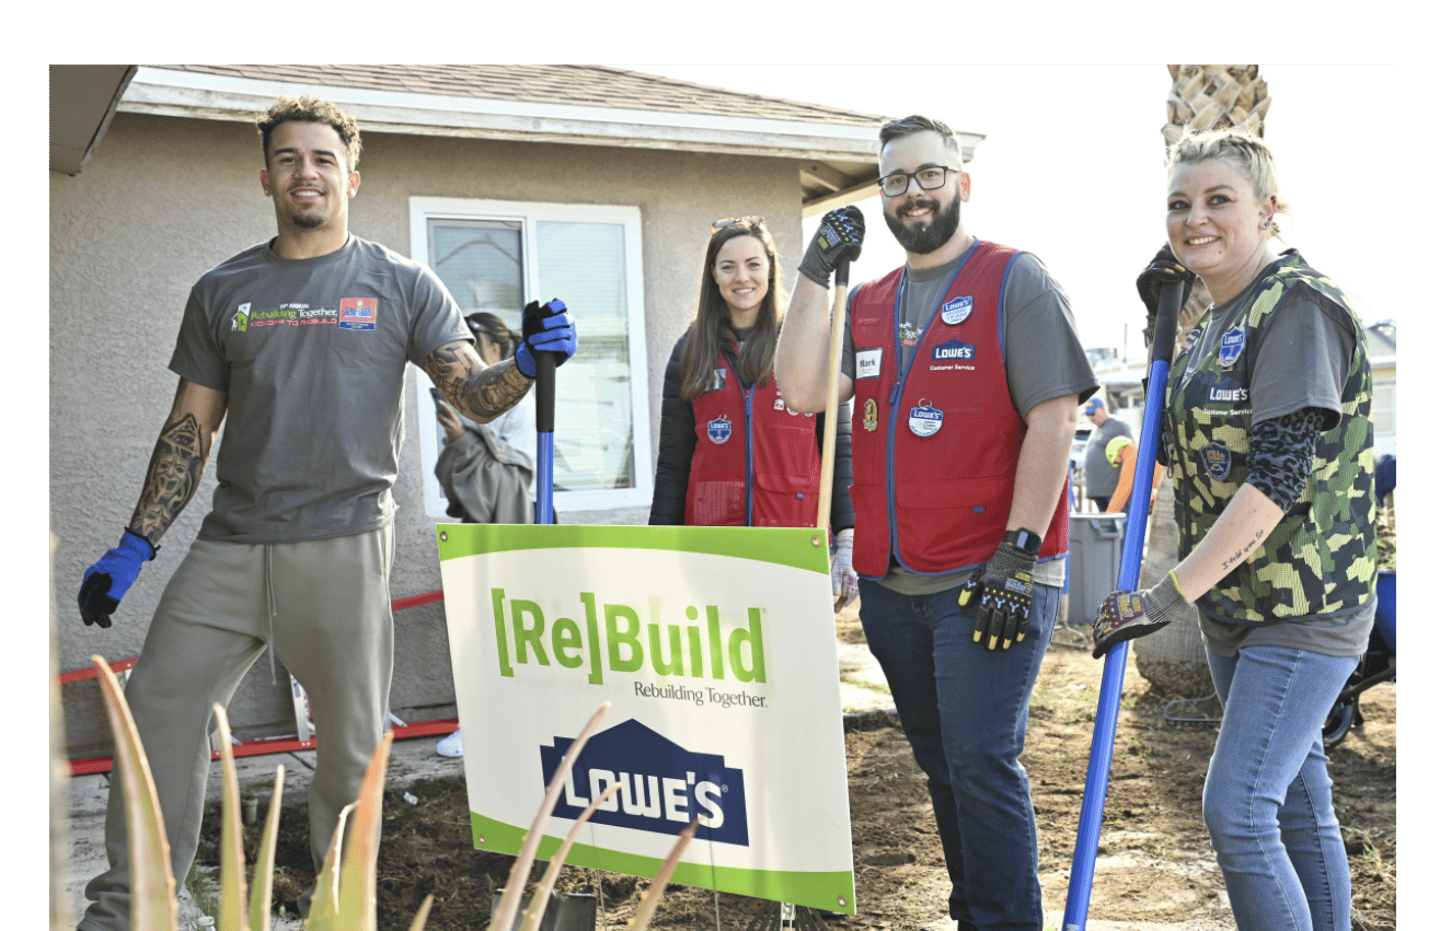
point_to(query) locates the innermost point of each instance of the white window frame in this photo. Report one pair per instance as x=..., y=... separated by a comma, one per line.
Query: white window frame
x=527, y=214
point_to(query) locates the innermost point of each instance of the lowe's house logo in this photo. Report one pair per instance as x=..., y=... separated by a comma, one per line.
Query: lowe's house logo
x=952, y=351
x=1231, y=345
x=663, y=786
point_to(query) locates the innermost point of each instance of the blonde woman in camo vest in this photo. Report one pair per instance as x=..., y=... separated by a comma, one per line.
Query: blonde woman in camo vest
x=1270, y=446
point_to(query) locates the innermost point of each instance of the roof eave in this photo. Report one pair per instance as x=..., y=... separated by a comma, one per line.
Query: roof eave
x=202, y=96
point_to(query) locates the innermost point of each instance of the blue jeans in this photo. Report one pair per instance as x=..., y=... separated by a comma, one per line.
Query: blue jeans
x=1267, y=794
x=964, y=710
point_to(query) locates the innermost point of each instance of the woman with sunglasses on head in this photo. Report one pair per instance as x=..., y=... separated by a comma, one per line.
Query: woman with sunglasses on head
x=487, y=471
x=1269, y=442
x=731, y=452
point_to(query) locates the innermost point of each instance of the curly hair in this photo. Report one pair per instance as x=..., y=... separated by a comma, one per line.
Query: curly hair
x=1250, y=156
x=311, y=110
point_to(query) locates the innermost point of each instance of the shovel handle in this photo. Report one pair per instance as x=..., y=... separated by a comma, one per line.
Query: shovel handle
x=832, y=395
x=544, y=437
x=1107, y=710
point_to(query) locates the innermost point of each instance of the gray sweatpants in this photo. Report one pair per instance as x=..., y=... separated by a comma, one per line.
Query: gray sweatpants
x=327, y=605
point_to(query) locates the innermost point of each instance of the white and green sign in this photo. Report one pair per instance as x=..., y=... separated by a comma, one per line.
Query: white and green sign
x=715, y=647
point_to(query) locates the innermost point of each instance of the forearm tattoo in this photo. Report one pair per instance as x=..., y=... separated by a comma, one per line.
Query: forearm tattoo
x=483, y=392
x=172, y=478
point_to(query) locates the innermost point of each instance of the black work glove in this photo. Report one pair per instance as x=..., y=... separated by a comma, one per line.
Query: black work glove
x=1127, y=615
x=1006, y=588
x=840, y=235
x=106, y=582
x=546, y=329
x=1162, y=269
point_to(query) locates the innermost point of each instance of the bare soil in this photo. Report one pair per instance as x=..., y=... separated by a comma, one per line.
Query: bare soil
x=1155, y=867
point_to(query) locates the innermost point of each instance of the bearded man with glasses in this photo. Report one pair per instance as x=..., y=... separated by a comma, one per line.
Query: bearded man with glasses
x=966, y=374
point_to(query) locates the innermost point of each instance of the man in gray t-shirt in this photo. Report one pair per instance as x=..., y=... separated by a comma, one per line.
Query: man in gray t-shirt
x=967, y=376
x=300, y=346
x=1101, y=475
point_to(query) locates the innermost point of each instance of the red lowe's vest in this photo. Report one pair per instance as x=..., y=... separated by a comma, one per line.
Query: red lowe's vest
x=935, y=448
x=747, y=440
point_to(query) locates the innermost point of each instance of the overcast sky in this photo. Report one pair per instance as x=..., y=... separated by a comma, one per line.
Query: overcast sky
x=1071, y=167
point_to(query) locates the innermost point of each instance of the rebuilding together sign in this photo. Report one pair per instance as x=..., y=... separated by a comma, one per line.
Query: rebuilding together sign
x=715, y=647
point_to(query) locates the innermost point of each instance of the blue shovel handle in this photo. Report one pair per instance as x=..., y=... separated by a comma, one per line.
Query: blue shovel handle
x=1107, y=711
x=545, y=437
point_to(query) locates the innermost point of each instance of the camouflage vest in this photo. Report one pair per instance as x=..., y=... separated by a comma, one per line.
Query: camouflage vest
x=1321, y=558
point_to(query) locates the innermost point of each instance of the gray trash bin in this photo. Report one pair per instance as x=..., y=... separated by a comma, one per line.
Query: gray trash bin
x=1096, y=542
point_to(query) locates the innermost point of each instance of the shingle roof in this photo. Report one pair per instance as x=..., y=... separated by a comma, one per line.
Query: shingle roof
x=580, y=85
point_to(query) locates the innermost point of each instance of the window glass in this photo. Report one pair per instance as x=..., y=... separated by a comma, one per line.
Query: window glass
x=496, y=256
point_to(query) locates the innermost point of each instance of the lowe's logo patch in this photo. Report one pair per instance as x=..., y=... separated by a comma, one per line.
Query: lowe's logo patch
x=1227, y=392
x=958, y=310
x=663, y=786
x=1231, y=345
x=952, y=350
x=718, y=430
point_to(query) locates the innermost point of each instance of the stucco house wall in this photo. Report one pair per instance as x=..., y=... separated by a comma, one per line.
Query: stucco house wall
x=166, y=198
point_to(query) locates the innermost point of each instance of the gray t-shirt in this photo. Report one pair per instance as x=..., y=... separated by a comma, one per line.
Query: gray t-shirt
x=1043, y=360
x=312, y=354
x=1100, y=476
x=1303, y=362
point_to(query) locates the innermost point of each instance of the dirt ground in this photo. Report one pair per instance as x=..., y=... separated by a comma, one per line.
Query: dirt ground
x=1155, y=868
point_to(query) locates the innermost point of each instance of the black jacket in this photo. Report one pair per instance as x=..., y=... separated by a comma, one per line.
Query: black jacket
x=677, y=448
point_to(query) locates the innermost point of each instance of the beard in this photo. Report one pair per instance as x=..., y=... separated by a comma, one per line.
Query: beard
x=308, y=221
x=924, y=239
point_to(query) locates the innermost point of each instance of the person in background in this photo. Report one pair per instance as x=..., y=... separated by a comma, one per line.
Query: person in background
x=1101, y=472
x=487, y=470
x=1269, y=443
x=1122, y=452
x=967, y=375
x=731, y=452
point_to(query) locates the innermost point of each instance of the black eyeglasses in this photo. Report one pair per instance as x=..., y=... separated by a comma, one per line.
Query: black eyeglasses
x=897, y=183
x=752, y=222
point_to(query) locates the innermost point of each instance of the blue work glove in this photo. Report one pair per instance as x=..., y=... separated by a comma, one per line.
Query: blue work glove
x=844, y=584
x=840, y=235
x=107, y=581
x=1005, y=587
x=546, y=329
x=1127, y=615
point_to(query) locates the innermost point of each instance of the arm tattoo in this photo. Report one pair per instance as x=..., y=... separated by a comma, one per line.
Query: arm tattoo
x=481, y=392
x=172, y=478
x=1243, y=553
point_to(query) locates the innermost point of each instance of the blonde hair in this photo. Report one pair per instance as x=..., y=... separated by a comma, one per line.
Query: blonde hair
x=1246, y=151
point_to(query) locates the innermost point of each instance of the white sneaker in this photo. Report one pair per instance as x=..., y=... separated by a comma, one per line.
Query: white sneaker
x=451, y=746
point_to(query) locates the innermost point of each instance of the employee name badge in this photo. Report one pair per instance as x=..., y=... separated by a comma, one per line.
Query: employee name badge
x=926, y=420
x=867, y=363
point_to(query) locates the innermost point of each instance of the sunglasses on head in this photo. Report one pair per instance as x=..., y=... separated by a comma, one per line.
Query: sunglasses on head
x=751, y=222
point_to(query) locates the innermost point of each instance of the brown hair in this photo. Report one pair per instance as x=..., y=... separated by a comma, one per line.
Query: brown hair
x=916, y=123
x=487, y=326
x=710, y=331
x=311, y=110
